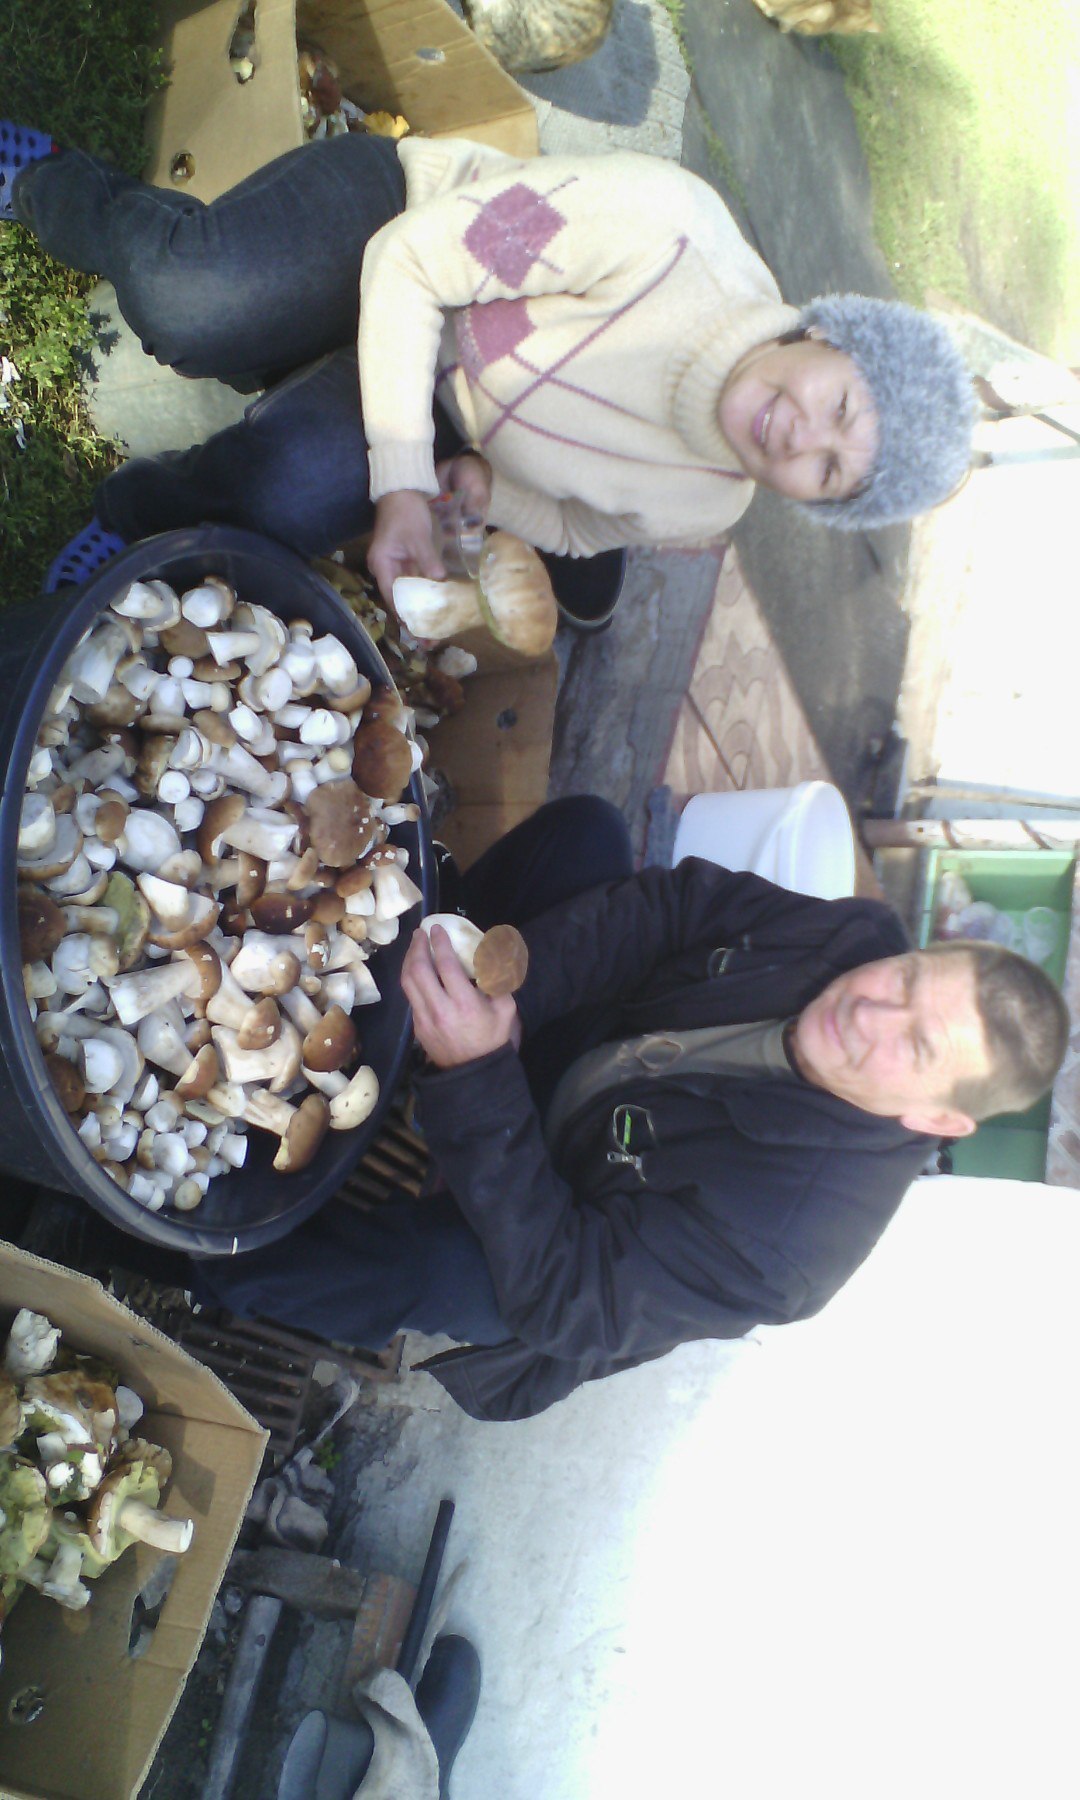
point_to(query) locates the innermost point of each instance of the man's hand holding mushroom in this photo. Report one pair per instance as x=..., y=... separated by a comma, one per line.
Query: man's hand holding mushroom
x=453, y=1021
x=403, y=542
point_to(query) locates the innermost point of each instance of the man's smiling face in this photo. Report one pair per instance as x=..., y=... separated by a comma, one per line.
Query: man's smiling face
x=896, y=1038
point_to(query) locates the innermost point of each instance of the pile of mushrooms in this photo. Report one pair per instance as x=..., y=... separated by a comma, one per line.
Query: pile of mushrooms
x=205, y=871
x=76, y=1487
x=512, y=597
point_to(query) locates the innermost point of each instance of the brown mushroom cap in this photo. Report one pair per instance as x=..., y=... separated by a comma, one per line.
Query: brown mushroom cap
x=119, y=707
x=303, y=1135
x=203, y=1073
x=252, y=878
x=214, y=726
x=208, y=963
x=155, y=1456
x=110, y=817
x=260, y=1026
x=185, y=639
x=306, y=869
x=382, y=760
x=329, y=908
x=500, y=961
x=277, y=911
x=67, y=1081
x=444, y=691
x=516, y=596
x=385, y=703
x=219, y=815
x=41, y=923
x=354, y=881
x=340, y=822
x=331, y=1043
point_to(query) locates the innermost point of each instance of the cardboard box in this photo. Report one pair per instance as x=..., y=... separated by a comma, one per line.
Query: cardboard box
x=414, y=57
x=103, y=1711
x=496, y=752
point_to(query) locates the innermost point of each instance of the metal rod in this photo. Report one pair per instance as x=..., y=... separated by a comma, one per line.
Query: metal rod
x=941, y=788
x=969, y=834
x=256, y=1635
x=425, y=1592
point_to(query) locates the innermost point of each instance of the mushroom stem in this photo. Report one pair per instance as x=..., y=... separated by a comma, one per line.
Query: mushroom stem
x=148, y=1526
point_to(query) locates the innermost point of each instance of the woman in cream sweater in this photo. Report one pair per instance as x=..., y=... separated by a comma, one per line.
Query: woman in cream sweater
x=594, y=333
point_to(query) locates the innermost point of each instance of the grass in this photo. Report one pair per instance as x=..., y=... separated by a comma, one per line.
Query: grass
x=722, y=164
x=81, y=71
x=963, y=107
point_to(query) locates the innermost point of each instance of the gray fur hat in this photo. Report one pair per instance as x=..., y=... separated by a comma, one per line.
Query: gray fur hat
x=923, y=398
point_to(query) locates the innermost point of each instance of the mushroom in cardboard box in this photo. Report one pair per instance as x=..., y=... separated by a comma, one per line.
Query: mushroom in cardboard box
x=68, y=1676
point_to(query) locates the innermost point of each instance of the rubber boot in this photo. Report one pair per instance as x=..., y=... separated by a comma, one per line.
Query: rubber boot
x=446, y=1699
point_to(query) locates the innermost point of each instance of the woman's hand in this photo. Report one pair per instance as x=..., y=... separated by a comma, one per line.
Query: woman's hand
x=467, y=473
x=403, y=543
x=453, y=1021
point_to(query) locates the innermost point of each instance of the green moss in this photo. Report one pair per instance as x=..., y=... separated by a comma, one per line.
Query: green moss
x=676, y=13
x=722, y=163
x=963, y=111
x=83, y=72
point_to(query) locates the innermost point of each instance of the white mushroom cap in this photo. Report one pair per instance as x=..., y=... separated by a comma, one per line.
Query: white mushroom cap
x=356, y=1102
x=208, y=604
x=153, y=603
x=37, y=825
x=147, y=840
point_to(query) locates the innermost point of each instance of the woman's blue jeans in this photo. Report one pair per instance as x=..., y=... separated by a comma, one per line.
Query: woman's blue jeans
x=417, y=1264
x=259, y=289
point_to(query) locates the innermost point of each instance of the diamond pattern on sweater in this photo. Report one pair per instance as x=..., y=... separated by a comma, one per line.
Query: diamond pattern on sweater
x=490, y=331
x=509, y=233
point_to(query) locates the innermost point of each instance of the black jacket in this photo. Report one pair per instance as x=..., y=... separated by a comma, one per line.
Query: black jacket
x=758, y=1197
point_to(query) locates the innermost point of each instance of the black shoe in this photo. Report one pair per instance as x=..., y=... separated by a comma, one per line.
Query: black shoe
x=327, y=1758
x=446, y=1699
x=587, y=588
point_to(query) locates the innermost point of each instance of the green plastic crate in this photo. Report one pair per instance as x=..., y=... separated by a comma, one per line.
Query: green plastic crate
x=1014, y=1144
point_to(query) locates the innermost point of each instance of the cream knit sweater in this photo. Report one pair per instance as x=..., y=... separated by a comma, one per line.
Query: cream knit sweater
x=577, y=317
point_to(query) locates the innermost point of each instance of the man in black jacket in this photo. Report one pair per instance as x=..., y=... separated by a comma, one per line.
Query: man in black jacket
x=609, y=1189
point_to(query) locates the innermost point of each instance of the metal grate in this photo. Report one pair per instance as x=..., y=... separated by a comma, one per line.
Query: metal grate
x=396, y=1162
x=269, y=1368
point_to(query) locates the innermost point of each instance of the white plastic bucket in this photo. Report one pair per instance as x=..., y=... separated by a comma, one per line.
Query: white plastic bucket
x=799, y=837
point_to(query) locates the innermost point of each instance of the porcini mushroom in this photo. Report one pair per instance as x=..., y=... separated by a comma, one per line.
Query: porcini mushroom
x=124, y=1508
x=340, y=822
x=512, y=596
x=31, y=1346
x=303, y=1135
x=24, y=1506
x=497, y=960
x=382, y=760
x=356, y=1102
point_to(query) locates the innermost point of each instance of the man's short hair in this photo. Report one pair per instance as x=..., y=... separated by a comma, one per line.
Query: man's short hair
x=1026, y=1023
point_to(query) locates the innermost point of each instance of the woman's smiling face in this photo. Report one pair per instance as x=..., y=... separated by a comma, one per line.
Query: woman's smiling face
x=800, y=419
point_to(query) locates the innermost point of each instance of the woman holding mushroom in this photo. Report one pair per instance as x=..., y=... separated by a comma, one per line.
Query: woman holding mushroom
x=619, y=362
